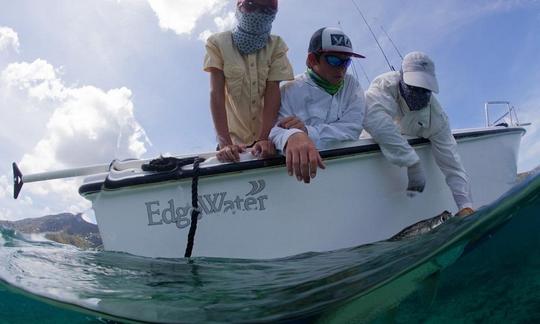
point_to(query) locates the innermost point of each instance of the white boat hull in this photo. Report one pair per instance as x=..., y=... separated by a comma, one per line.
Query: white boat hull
x=264, y=213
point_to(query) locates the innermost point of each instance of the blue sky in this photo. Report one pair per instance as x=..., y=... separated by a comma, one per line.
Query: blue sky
x=83, y=82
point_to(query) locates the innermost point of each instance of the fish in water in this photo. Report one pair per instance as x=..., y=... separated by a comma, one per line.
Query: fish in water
x=422, y=226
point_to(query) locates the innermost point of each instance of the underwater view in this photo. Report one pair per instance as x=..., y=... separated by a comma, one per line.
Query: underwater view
x=474, y=269
x=349, y=161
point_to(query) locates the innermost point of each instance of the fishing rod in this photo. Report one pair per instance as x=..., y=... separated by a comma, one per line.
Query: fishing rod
x=364, y=72
x=354, y=63
x=354, y=67
x=373, y=34
x=392, y=42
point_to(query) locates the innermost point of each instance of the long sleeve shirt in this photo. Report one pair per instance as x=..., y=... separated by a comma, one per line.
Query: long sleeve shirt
x=328, y=118
x=388, y=116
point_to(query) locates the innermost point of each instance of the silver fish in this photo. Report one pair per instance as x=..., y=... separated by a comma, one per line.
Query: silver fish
x=422, y=227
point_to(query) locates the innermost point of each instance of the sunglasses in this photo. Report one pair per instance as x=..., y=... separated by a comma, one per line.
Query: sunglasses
x=252, y=6
x=337, y=62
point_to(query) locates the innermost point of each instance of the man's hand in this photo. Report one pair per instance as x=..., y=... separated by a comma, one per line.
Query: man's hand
x=263, y=149
x=302, y=157
x=417, y=179
x=230, y=153
x=293, y=122
x=465, y=212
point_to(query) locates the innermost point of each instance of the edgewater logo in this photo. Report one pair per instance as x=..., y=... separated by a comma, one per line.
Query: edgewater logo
x=213, y=203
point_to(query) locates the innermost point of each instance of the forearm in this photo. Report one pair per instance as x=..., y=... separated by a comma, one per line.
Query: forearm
x=219, y=115
x=337, y=131
x=446, y=156
x=386, y=133
x=217, y=108
x=279, y=136
x=272, y=101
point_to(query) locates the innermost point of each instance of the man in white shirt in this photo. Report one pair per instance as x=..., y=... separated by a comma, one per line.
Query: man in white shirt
x=402, y=103
x=320, y=106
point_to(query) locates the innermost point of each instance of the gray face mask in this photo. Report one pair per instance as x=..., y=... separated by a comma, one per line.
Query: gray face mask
x=415, y=97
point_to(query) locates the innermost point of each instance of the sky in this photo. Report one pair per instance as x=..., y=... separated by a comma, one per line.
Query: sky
x=85, y=82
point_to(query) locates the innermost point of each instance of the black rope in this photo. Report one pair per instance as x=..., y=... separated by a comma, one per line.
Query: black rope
x=172, y=164
x=163, y=164
x=195, y=211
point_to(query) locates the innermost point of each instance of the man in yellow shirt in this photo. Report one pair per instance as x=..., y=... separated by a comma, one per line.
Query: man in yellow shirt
x=246, y=65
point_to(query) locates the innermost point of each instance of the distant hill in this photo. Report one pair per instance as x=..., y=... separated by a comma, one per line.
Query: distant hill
x=64, y=228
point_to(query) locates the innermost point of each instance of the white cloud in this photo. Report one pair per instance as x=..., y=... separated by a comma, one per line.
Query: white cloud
x=29, y=93
x=84, y=119
x=38, y=78
x=204, y=35
x=82, y=125
x=8, y=38
x=223, y=23
x=182, y=16
x=4, y=187
x=91, y=126
x=13, y=210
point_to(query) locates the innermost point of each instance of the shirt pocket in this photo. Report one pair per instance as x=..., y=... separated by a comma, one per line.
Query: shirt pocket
x=234, y=77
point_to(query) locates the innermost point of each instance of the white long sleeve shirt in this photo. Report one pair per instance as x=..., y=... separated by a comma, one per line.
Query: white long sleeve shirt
x=327, y=118
x=388, y=116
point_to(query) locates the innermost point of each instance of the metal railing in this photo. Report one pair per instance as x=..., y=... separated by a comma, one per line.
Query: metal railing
x=508, y=118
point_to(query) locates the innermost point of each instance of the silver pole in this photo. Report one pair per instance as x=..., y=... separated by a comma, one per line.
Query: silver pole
x=373, y=34
x=392, y=42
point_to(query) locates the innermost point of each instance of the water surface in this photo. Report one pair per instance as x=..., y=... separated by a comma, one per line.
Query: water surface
x=495, y=277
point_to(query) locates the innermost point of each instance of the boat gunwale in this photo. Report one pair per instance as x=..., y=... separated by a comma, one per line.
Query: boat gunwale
x=158, y=177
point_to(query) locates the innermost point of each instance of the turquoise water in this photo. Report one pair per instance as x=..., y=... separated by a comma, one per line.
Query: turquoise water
x=482, y=268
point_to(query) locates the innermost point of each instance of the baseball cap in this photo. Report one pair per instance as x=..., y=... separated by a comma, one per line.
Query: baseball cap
x=330, y=39
x=419, y=71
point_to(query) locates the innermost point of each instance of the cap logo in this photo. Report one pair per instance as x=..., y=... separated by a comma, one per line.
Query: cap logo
x=340, y=40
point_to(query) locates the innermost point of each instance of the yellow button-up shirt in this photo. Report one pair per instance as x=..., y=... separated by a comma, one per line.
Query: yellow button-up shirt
x=245, y=80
